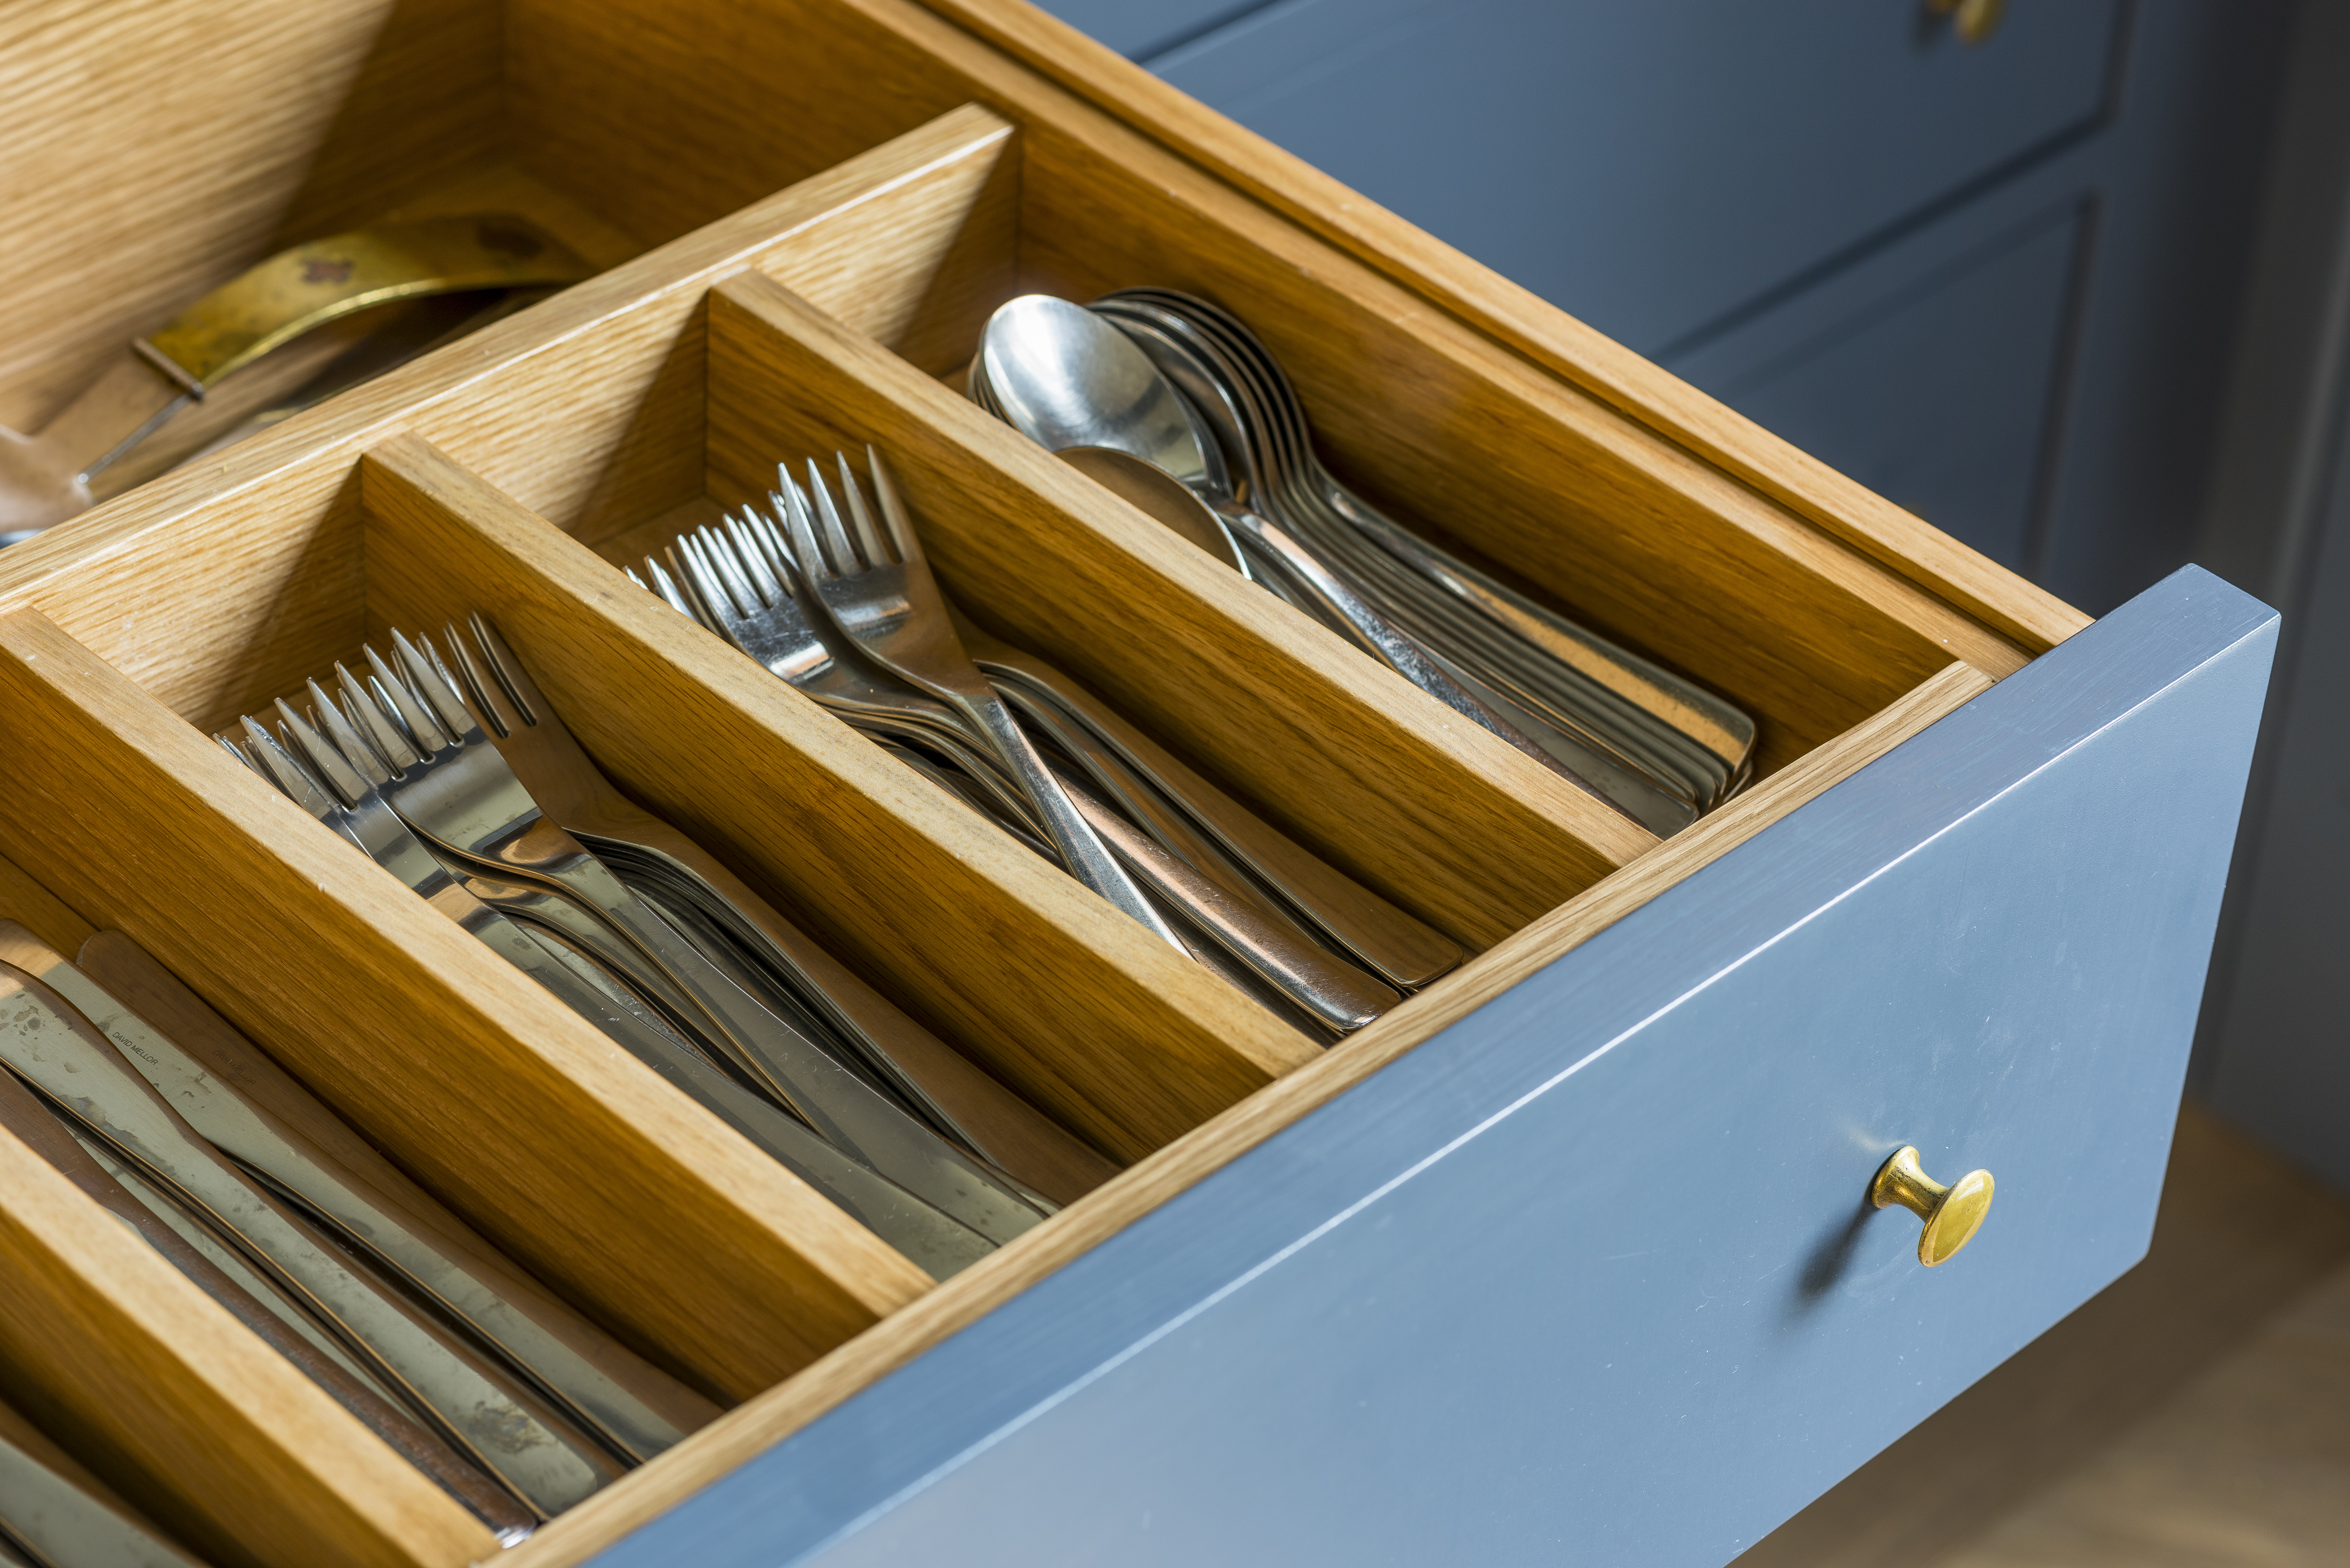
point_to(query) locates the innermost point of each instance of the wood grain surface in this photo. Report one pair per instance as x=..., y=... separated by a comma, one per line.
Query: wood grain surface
x=840, y=190
x=582, y=425
x=760, y=1424
x=39, y=910
x=1645, y=539
x=254, y=126
x=198, y=1423
x=1382, y=779
x=570, y=1156
x=1070, y=1003
x=1515, y=317
x=2246, y=1467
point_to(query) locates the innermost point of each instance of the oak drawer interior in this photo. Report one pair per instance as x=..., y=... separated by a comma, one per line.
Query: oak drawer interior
x=507, y=474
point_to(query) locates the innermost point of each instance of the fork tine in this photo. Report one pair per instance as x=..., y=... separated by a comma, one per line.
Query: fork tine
x=429, y=679
x=775, y=527
x=482, y=694
x=689, y=593
x=827, y=516
x=341, y=776
x=390, y=745
x=233, y=749
x=506, y=667
x=755, y=564
x=720, y=551
x=667, y=589
x=805, y=553
x=348, y=741
x=708, y=580
x=724, y=618
x=894, y=515
x=860, y=516
x=771, y=546
x=403, y=707
x=294, y=780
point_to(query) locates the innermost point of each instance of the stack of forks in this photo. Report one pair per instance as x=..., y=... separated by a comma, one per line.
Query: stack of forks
x=835, y=597
x=400, y=761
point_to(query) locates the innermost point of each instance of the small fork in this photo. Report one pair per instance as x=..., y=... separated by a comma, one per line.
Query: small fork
x=739, y=584
x=894, y=613
x=343, y=801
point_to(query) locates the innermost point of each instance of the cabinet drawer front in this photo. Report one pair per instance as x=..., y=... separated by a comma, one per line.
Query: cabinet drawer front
x=1591, y=1274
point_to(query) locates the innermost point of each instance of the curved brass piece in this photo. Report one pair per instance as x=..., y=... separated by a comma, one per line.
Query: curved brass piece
x=1974, y=21
x=1952, y=1214
x=314, y=282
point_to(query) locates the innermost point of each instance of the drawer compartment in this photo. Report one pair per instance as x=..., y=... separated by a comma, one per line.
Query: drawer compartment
x=1501, y=1301
x=820, y=262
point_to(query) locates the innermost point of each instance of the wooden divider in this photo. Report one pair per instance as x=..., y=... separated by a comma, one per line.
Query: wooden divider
x=203, y=1425
x=213, y=586
x=571, y=1156
x=1639, y=536
x=1416, y=801
x=751, y=1429
x=1059, y=996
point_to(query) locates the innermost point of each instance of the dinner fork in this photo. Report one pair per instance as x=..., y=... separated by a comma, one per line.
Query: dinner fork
x=448, y=781
x=935, y=1241
x=736, y=584
x=894, y=613
x=739, y=588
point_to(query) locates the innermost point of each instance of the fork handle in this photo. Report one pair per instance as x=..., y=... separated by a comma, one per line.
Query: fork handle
x=934, y=1241
x=836, y=1102
x=1087, y=858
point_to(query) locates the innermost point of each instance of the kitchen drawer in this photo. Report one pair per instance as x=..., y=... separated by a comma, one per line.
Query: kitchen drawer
x=1502, y=1263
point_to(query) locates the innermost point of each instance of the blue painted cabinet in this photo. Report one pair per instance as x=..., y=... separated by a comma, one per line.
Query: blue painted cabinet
x=1588, y=1278
x=1810, y=210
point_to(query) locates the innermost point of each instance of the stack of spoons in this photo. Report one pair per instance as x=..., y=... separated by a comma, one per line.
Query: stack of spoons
x=1180, y=385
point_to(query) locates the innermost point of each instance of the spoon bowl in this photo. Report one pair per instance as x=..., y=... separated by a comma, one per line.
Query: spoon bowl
x=1064, y=377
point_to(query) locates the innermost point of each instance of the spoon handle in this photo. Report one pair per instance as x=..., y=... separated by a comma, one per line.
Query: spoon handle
x=1384, y=640
x=1089, y=859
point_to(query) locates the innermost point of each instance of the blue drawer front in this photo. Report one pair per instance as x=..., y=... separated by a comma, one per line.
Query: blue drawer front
x=1588, y=1277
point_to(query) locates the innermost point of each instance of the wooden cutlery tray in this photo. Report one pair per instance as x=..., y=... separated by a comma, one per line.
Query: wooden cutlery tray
x=808, y=210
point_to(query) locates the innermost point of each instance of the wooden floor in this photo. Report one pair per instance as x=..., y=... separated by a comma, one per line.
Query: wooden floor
x=2196, y=1414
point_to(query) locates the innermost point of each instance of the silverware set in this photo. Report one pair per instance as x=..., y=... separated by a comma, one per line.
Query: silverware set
x=1178, y=384
x=833, y=595
x=55, y=1514
x=513, y=1403
x=400, y=761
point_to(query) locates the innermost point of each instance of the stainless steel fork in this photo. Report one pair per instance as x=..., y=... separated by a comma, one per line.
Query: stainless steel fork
x=893, y=611
x=447, y=780
x=341, y=798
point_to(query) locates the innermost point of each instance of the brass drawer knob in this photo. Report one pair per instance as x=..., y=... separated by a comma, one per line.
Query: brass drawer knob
x=1952, y=1214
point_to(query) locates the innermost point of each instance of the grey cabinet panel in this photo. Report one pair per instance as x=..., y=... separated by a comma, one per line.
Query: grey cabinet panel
x=1650, y=165
x=1589, y=1277
x=2280, y=1027
x=1140, y=30
x=1932, y=374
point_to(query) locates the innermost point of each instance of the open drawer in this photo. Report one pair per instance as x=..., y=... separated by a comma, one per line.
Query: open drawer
x=1491, y=1278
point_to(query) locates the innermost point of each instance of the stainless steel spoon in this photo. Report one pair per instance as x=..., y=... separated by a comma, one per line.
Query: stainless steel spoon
x=1063, y=376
